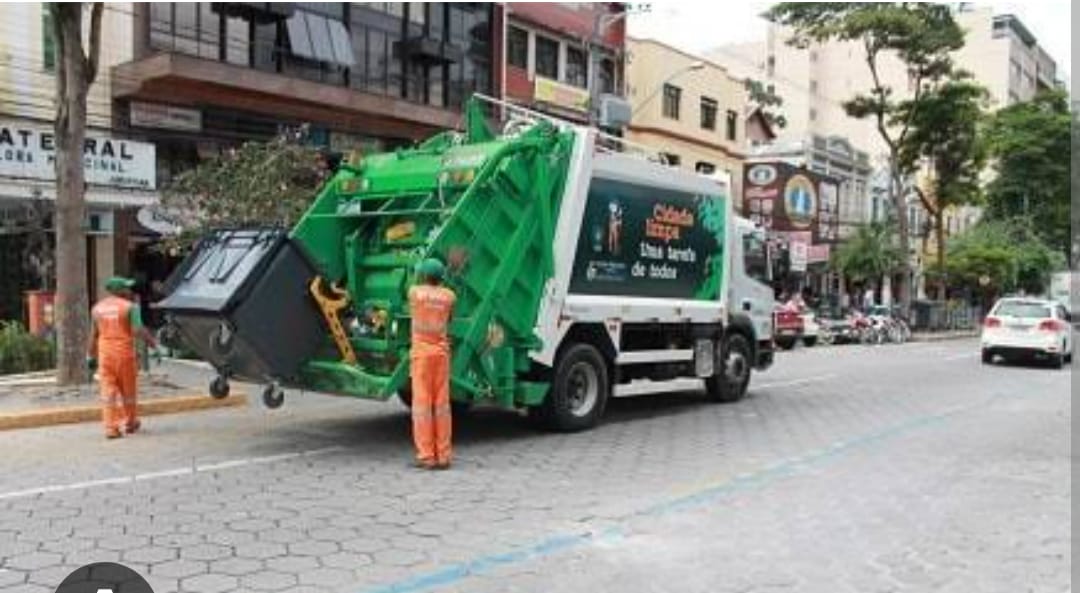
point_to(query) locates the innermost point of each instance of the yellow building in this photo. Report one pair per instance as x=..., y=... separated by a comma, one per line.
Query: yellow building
x=691, y=109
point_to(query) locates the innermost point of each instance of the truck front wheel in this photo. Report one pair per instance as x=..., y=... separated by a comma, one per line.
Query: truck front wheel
x=579, y=390
x=731, y=379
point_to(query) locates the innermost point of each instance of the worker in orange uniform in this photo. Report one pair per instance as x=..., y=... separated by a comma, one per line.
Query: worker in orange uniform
x=431, y=304
x=116, y=323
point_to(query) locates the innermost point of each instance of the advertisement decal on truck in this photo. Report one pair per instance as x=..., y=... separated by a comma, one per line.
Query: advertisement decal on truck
x=649, y=242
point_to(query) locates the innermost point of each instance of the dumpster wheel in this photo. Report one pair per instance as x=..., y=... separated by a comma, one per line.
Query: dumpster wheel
x=273, y=396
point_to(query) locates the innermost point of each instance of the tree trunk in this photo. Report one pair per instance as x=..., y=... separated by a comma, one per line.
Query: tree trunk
x=72, y=299
x=902, y=291
x=939, y=231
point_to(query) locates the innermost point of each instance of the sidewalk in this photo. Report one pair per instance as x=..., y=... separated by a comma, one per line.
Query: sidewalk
x=944, y=335
x=170, y=387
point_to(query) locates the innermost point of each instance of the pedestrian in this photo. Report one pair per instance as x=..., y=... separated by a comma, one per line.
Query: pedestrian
x=117, y=322
x=431, y=305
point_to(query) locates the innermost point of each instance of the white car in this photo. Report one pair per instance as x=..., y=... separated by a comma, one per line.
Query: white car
x=811, y=329
x=1027, y=328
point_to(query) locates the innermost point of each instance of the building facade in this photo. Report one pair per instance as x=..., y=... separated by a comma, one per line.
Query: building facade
x=561, y=54
x=120, y=170
x=690, y=109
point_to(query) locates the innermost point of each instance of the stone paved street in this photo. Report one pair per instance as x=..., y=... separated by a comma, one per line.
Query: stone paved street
x=896, y=468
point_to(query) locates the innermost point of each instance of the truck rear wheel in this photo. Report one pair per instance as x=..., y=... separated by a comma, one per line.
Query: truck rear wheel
x=731, y=379
x=579, y=391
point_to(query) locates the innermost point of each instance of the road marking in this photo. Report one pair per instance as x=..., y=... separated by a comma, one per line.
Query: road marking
x=167, y=473
x=804, y=381
x=459, y=572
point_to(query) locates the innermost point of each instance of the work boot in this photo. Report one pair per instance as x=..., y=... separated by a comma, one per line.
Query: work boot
x=420, y=464
x=113, y=434
x=133, y=427
x=442, y=465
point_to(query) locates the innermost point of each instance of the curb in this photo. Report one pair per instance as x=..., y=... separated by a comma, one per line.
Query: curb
x=154, y=407
x=942, y=337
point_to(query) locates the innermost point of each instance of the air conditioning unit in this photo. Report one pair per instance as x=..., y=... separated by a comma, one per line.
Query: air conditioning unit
x=614, y=112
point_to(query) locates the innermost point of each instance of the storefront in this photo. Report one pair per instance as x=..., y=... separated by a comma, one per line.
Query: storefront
x=120, y=179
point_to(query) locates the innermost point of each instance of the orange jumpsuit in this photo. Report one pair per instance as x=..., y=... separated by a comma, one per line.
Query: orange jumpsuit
x=429, y=360
x=117, y=366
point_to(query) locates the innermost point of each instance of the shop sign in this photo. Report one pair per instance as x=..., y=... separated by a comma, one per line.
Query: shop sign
x=785, y=198
x=28, y=151
x=156, y=115
x=818, y=254
x=800, y=255
x=562, y=95
x=153, y=218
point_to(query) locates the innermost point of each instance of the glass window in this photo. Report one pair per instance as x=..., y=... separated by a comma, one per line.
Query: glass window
x=813, y=114
x=436, y=20
x=378, y=55
x=755, y=257
x=705, y=167
x=547, y=57
x=266, y=47
x=237, y=46
x=607, y=75
x=436, y=86
x=417, y=13
x=577, y=67
x=339, y=41
x=708, y=113
x=672, y=97
x=48, y=41
x=209, y=32
x=671, y=158
x=186, y=28
x=732, y=125
x=393, y=64
x=1021, y=309
x=319, y=35
x=517, y=47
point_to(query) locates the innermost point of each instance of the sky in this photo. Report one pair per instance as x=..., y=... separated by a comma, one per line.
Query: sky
x=699, y=25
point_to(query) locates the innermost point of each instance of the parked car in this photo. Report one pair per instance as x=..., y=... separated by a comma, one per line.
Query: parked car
x=811, y=328
x=1024, y=328
x=787, y=327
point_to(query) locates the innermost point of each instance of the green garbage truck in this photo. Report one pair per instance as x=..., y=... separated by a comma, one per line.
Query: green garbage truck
x=585, y=269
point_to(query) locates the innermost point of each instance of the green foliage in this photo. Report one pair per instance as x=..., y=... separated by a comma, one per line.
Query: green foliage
x=868, y=255
x=1007, y=254
x=23, y=352
x=255, y=184
x=767, y=101
x=1030, y=145
x=945, y=133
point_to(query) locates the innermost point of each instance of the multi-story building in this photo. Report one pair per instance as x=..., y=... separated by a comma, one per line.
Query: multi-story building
x=691, y=109
x=1004, y=56
x=559, y=55
x=182, y=81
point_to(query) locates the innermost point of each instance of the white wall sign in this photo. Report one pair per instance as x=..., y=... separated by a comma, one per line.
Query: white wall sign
x=28, y=150
x=800, y=253
x=156, y=115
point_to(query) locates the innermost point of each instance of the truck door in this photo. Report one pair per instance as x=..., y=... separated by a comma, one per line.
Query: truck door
x=752, y=294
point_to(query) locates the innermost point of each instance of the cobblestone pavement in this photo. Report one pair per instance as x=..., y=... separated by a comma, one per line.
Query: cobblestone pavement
x=902, y=468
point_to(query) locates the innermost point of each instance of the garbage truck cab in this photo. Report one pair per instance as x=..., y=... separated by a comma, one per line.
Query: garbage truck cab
x=585, y=269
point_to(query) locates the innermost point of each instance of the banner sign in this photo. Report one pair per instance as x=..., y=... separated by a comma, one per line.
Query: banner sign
x=156, y=115
x=785, y=198
x=562, y=95
x=29, y=151
x=650, y=242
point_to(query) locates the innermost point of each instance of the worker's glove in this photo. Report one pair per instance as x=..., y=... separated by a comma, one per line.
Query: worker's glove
x=91, y=364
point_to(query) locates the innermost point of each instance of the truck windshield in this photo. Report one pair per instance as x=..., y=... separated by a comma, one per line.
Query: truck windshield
x=755, y=258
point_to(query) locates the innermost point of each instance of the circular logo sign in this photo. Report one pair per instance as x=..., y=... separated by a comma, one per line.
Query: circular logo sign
x=104, y=577
x=800, y=201
x=761, y=174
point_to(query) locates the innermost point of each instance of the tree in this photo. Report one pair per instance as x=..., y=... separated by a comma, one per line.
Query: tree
x=945, y=137
x=921, y=36
x=255, y=184
x=76, y=69
x=1029, y=143
x=999, y=256
x=766, y=99
x=868, y=255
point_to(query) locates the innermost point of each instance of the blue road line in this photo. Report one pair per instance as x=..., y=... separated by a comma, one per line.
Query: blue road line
x=457, y=573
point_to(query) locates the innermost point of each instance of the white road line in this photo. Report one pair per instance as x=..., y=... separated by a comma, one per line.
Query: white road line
x=813, y=379
x=166, y=473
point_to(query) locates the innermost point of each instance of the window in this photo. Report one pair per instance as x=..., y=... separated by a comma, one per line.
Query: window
x=705, y=167
x=48, y=41
x=755, y=258
x=672, y=96
x=517, y=47
x=607, y=75
x=813, y=86
x=708, y=113
x=577, y=67
x=770, y=66
x=417, y=13
x=813, y=114
x=671, y=158
x=813, y=56
x=547, y=57
x=732, y=125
